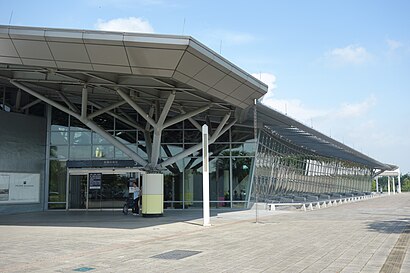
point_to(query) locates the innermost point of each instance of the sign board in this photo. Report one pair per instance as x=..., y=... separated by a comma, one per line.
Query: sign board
x=95, y=181
x=19, y=188
x=101, y=163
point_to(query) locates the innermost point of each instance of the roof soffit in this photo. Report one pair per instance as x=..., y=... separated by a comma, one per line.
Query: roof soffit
x=127, y=53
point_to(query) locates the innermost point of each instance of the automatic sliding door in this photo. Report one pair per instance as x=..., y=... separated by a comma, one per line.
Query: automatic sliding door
x=114, y=190
x=111, y=192
x=78, y=192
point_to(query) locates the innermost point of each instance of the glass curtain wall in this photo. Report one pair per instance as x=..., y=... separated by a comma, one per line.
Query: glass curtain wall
x=231, y=159
x=285, y=172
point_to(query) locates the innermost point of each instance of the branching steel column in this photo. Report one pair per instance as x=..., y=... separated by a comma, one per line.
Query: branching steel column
x=136, y=107
x=185, y=116
x=43, y=98
x=84, y=103
x=105, y=109
x=147, y=134
x=28, y=105
x=158, y=129
x=18, y=100
x=196, y=147
x=194, y=122
x=217, y=132
x=93, y=126
x=67, y=101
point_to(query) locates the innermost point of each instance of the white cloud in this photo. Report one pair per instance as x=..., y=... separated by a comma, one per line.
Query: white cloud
x=267, y=78
x=349, y=110
x=295, y=109
x=351, y=54
x=130, y=24
x=393, y=44
x=231, y=37
x=238, y=38
x=321, y=117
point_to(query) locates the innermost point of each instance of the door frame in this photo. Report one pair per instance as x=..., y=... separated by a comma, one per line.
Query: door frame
x=87, y=171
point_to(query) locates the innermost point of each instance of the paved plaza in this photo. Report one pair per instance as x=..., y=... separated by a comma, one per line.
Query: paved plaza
x=366, y=236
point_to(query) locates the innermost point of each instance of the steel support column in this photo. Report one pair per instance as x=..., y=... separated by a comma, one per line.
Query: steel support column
x=136, y=107
x=105, y=109
x=185, y=116
x=84, y=103
x=194, y=148
x=159, y=126
x=67, y=101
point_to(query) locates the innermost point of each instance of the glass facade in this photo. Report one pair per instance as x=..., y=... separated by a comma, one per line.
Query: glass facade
x=284, y=171
x=231, y=158
x=281, y=169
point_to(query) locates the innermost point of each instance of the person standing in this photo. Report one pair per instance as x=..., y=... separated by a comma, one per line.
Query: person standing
x=137, y=194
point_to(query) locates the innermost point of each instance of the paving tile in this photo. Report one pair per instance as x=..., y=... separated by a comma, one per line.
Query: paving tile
x=354, y=237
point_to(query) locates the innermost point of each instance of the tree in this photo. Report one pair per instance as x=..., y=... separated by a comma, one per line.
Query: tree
x=405, y=182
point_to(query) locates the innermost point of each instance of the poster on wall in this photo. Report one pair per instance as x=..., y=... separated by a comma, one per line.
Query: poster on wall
x=4, y=187
x=95, y=181
x=19, y=188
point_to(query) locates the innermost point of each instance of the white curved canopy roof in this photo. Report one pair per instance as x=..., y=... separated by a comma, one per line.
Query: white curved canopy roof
x=179, y=58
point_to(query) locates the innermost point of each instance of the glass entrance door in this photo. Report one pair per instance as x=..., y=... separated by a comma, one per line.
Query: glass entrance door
x=77, y=192
x=111, y=193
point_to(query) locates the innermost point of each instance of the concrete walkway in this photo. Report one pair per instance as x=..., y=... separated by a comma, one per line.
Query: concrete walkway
x=366, y=236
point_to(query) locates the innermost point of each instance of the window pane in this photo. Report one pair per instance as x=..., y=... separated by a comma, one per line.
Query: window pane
x=58, y=138
x=193, y=136
x=80, y=138
x=173, y=185
x=97, y=139
x=219, y=149
x=60, y=152
x=242, y=134
x=105, y=121
x=103, y=151
x=244, y=149
x=77, y=125
x=57, y=186
x=171, y=136
x=121, y=155
x=126, y=137
x=80, y=152
x=241, y=168
x=219, y=180
x=59, y=120
x=169, y=150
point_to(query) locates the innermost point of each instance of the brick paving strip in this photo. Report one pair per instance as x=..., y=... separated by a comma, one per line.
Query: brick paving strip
x=396, y=257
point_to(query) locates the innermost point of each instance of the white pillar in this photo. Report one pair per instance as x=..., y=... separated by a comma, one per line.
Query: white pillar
x=377, y=184
x=399, y=183
x=205, y=175
x=394, y=185
x=388, y=185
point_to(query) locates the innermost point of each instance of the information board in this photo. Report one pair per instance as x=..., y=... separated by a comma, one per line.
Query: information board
x=95, y=181
x=19, y=188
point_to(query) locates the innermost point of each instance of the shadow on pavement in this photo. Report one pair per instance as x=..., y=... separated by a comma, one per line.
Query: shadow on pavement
x=391, y=226
x=101, y=219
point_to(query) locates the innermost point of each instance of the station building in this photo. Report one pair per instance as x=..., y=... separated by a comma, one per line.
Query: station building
x=76, y=103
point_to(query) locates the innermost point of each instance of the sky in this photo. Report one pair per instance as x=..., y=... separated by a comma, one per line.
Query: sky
x=341, y=67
